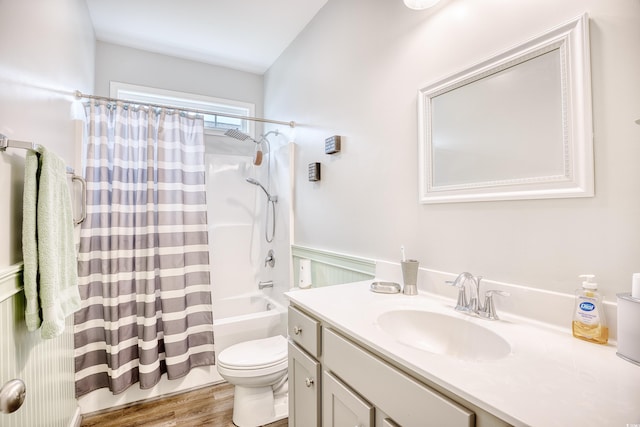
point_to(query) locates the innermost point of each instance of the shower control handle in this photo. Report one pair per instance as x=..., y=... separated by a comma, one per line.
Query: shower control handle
x=297, y=330
x=270, y=260
x=308, y=382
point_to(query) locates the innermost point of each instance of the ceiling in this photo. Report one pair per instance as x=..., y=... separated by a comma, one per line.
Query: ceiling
x=247, y=35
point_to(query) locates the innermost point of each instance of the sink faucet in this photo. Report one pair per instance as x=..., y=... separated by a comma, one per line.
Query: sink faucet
x=463, y=303
x=473, y=305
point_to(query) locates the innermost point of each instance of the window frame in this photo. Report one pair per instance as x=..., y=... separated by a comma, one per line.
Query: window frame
x=151, y=95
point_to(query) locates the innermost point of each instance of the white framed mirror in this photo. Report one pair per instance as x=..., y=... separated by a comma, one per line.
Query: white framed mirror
x=516, y=126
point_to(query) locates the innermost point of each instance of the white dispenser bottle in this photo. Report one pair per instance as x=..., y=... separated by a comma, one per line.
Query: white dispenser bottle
x=588, y=319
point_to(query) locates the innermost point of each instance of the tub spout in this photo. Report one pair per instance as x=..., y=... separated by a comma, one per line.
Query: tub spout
x=265, y=284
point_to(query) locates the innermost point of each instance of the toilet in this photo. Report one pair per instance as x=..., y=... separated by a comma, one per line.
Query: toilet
x=258, y=370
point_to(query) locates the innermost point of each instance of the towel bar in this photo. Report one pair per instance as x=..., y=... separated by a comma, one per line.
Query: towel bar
x=8, y=143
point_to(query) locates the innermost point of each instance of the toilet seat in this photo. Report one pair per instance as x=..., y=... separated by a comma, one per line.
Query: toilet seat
x=252, y=358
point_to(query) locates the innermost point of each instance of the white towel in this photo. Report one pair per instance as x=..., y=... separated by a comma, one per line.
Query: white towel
x=53, y=295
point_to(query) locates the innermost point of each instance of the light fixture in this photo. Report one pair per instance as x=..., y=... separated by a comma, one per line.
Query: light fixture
x=420, y=4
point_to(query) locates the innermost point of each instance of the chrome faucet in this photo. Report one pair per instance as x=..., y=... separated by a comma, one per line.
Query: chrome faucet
x=265, y=284
x=270, y=260
x=462, y=304
x=472, y=304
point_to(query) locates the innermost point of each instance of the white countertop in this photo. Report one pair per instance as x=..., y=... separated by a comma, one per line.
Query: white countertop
x=549, y=379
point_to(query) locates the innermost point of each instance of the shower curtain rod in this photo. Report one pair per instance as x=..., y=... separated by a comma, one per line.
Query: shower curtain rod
x=189, y=110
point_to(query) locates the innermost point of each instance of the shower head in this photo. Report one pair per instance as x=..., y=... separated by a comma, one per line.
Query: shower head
x=269, y=196
x=241, y=136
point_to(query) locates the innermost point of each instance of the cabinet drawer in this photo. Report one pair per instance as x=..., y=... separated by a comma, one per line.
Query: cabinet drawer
x=341, y=406
x=304, y=330
x=304, y=389
x=404, y=399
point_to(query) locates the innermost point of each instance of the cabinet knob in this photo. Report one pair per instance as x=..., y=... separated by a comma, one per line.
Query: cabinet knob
x=297, y=330
x=308, y=382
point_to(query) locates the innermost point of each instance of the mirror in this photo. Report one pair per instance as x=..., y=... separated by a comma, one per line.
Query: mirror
x=516, y=126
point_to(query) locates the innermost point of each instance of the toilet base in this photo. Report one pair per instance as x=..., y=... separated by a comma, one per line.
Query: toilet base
x=257, y=406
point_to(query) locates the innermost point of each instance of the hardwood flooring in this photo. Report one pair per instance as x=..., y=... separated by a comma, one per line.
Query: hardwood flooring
x=208, y=406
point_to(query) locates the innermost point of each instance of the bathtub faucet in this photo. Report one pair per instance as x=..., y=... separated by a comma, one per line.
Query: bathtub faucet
x=266, y=284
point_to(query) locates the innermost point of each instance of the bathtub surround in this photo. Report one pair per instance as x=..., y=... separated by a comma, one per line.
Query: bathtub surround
x=144, y=261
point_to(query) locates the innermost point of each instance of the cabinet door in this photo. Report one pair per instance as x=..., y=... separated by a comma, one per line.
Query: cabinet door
x=341, y=407
x=304, y=389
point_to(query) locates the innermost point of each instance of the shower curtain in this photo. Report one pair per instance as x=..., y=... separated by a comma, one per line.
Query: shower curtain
x=144, y=263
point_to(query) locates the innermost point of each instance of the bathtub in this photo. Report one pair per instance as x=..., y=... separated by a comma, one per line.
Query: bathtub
x=246, y=317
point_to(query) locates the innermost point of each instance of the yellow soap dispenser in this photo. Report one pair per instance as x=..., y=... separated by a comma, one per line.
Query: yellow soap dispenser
x=589, y=322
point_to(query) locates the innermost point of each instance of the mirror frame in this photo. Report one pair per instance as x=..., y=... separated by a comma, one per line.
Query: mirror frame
x=571, y=41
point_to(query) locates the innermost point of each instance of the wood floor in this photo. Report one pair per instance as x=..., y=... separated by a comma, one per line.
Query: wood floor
x=208, y=406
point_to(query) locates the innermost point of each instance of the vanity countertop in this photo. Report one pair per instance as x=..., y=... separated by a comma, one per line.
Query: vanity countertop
x=550, y=378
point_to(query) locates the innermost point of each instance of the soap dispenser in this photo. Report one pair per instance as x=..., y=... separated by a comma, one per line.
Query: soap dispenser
x=588, y=319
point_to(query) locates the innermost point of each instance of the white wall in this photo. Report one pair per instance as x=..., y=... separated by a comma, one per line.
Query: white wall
x=359, y=78
x=167, y=72
x=46, y=53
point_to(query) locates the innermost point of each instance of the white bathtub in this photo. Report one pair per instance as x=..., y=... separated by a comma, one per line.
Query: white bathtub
x=246, y=317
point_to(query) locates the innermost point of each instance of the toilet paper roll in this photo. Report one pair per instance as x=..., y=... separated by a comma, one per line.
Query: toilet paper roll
x=304, y=274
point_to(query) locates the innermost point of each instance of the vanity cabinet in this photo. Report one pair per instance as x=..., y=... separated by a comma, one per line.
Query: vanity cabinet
x=407, y=401
x=336, y=382
x=304, y=388
x=304, y=370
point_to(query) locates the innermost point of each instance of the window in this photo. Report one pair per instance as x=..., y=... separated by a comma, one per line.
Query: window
x=213, y=123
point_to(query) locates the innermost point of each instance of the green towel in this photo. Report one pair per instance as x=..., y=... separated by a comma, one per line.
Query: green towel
x=51, y=289
x=30, y=240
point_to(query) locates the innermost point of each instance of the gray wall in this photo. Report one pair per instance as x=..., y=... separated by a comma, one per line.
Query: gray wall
x=360, y=80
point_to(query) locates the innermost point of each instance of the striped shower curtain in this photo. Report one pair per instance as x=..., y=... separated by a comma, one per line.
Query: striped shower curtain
x=144, y=263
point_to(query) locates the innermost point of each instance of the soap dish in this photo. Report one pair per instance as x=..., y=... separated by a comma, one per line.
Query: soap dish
x=385, y=287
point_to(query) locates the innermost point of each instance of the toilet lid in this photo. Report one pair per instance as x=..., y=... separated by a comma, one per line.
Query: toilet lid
x=255, y=354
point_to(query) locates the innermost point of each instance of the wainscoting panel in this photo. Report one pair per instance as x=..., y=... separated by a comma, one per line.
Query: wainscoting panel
x=46, y=366
x=330, y=268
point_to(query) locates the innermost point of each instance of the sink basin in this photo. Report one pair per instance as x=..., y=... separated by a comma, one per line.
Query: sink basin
x=442, y=334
